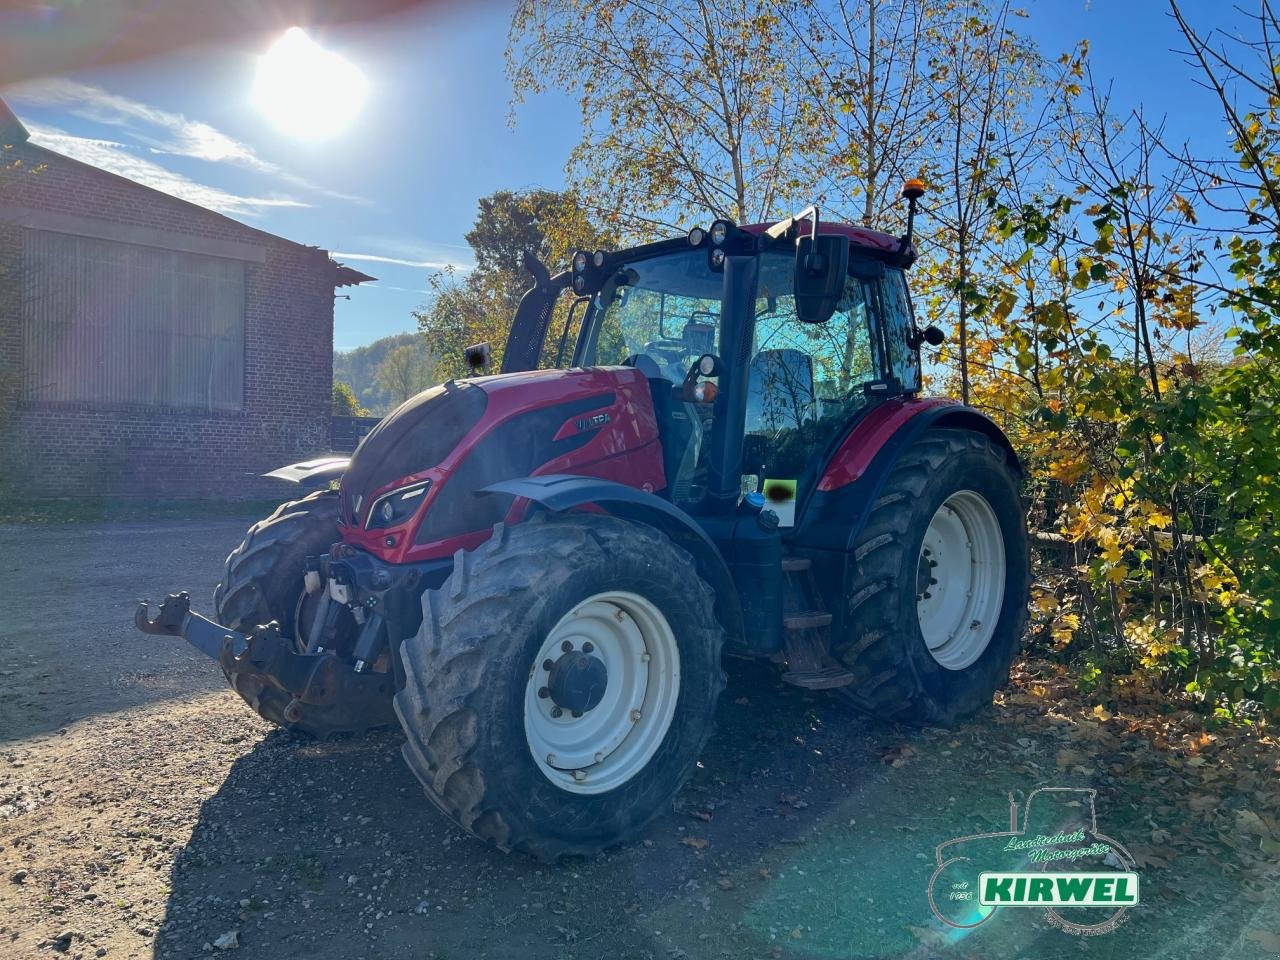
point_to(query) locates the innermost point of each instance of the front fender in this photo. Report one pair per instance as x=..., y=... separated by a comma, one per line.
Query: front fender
x=312, y=474
x=560, y=492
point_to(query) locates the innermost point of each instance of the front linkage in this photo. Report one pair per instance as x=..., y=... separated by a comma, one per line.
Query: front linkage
x=383, y=601
x=319, y=679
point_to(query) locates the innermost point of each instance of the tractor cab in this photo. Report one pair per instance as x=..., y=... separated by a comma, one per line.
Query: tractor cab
x=760, y=344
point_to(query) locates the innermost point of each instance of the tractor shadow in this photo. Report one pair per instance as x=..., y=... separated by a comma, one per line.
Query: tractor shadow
x=806, y=832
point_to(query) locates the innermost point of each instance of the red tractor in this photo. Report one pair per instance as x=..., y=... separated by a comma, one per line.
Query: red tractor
x=537, y=571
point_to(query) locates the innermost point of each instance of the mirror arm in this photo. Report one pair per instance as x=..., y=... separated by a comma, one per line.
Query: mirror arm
x=780, y=228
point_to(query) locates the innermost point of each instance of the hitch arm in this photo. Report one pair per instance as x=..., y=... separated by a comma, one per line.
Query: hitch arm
x=175, y=619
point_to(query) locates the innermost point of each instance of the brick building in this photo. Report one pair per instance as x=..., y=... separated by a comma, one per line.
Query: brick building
x=149, y=346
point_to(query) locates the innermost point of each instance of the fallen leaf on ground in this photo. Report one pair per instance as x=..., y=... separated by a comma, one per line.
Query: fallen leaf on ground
x=1267, y=939
x=696, y=842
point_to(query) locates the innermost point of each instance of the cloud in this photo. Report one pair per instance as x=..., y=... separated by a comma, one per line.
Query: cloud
x=178, y=136
x=423, y=264
x=121, y=159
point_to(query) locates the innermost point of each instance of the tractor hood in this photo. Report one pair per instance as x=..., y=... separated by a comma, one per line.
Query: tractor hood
x=469, y=433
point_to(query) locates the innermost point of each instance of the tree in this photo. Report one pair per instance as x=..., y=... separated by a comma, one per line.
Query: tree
x=345, y=403
x=869, y=107
x=688, y=108
x=480, y=306
x=407, y=371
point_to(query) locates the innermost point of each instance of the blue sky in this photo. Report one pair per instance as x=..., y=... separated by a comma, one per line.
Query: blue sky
x=401, y=183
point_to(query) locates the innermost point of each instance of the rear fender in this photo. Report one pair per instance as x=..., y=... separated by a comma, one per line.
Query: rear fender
x=839, y=508
x=838, y=511
x=560, y=492
x=312, y=474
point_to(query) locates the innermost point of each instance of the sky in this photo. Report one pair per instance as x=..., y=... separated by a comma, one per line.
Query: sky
x=395, y=192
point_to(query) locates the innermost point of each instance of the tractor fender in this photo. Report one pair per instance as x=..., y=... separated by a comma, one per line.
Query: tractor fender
x=312, y=474
x=839, y=508
x=560, y=492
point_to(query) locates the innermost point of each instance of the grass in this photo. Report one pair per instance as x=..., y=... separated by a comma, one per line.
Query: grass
x=99, y=509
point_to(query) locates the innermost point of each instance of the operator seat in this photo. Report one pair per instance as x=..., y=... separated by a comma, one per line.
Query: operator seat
x=780, y=393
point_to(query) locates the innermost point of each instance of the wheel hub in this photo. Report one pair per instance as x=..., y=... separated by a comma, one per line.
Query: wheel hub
x=577, y=681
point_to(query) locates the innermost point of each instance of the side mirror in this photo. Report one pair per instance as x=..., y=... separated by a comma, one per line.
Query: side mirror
x=822, y=264
x=932, y=336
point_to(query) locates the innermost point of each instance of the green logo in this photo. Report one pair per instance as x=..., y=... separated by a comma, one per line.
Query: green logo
x=1058, y=889
x=1054, y=858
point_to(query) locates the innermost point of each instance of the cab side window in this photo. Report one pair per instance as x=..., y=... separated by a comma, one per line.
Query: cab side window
x=804, y=380
x=899, y=325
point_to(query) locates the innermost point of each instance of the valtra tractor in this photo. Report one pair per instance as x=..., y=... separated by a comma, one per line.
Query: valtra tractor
x=722, y=448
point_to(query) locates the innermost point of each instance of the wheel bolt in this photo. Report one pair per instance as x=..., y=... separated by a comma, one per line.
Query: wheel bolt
x=599, y=757
x=926, y=595
x=579, y=775
x=547, y=664
x=551, y=759
x=576, y=714
x=635, y=715
x=588, y=647
x=566, y=646
x=933, y=582
x=557, y=712
x=544, y=692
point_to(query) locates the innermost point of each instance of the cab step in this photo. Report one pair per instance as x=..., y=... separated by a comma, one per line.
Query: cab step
x=807, y=620
x=810, y=665
x=795, y=564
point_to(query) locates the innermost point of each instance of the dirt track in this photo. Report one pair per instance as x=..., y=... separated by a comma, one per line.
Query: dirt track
x=144, y=811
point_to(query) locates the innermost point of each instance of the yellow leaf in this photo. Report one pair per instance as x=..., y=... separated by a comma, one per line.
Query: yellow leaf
x=1101, y=712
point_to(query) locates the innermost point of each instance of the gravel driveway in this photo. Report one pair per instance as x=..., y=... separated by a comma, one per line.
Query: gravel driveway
x=144, y=811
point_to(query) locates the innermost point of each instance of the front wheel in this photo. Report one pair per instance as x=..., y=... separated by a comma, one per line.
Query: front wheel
x=937, y=598
x=562, y=684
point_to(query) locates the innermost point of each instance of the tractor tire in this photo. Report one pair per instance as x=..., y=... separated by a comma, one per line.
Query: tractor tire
x=487, y=675
x=262, y=581
x=944, y=553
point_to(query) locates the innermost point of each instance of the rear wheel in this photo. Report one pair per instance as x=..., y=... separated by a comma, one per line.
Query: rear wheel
x=563, y=683
x=262, y=581
x=938, y=593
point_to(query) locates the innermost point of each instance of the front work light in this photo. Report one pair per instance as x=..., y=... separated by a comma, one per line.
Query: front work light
x=720, y=232
x=579, y=261
x=696, y=236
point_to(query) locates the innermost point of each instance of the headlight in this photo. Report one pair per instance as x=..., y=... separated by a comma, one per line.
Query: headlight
x=580, y=261
x=719, y=233
x=394, y=507
x=696, y=236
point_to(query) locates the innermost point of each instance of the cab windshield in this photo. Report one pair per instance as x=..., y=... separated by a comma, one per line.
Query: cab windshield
x=662, y=313
x=659, y=314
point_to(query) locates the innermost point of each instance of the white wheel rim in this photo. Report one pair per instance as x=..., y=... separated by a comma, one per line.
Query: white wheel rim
x=612, y=741
x=960, y=580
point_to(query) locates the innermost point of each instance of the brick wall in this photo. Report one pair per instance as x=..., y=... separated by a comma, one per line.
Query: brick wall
x=49, y=450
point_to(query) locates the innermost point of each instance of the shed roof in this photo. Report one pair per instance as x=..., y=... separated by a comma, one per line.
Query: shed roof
x=11, y=128
x=12, y=131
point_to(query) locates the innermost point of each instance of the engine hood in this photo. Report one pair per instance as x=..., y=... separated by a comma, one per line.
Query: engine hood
x=428, y=431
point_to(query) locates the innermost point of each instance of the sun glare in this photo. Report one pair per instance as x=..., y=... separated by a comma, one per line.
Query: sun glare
x=306, y=91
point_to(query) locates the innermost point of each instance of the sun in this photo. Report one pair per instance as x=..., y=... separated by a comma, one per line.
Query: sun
x=306, y=91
